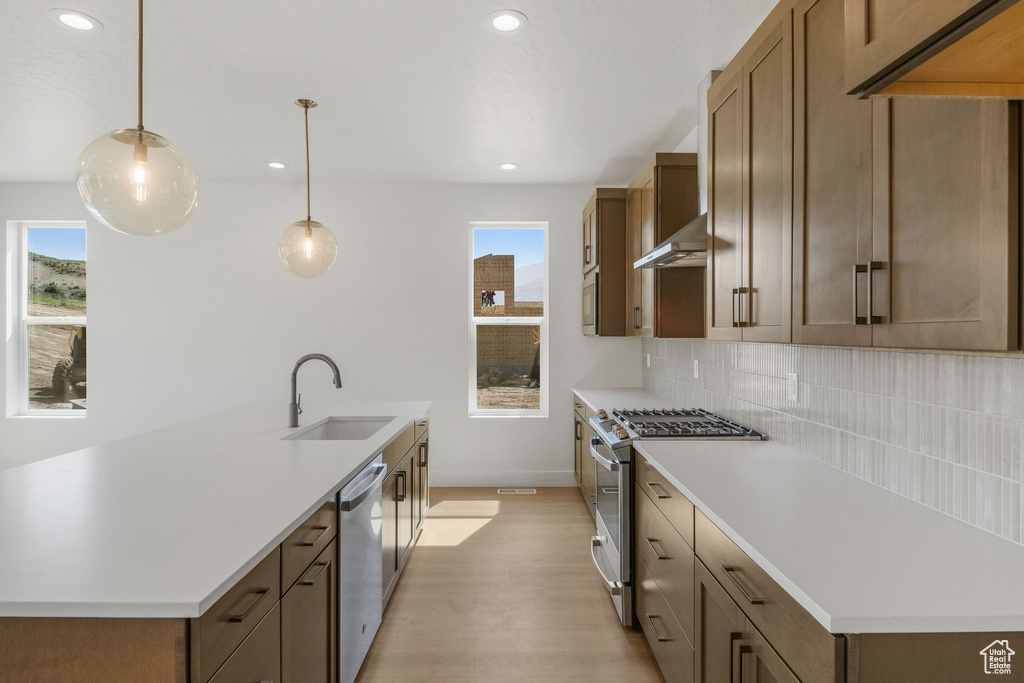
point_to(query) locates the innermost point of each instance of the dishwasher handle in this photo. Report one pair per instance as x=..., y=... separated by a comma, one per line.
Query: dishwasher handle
x=352, y=502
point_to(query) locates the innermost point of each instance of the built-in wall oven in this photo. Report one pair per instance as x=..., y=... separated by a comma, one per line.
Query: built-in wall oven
x=612, y=451
x=590, y=303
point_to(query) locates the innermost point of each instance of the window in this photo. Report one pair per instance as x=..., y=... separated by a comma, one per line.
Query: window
x=509, y=323
x=47, y=355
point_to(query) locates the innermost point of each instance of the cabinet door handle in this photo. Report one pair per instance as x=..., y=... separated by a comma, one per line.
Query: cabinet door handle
x=857, y=269
x=658, y=550
x=593, y=498
x=312, y=541
x=657, y=633
x=586, y=254
x=636, y=318
x=873, y=266
x=309, y=582
x=751, y=598
x=579, y=431
x=663, y=494
x=739, y=648
x=261, y=593
x=868, y=270
x=399, y=497
x=424, y=457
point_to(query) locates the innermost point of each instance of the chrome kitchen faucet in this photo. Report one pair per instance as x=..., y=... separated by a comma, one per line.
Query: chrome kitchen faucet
x=295, y=407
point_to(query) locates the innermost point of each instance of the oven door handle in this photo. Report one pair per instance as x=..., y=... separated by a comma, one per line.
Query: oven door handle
x=608, y=464
x=614, y=587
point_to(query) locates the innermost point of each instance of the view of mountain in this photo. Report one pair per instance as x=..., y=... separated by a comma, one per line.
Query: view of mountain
x=530, y=282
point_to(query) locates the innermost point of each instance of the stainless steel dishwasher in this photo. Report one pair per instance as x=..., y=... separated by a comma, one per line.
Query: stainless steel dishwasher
x=360, y=516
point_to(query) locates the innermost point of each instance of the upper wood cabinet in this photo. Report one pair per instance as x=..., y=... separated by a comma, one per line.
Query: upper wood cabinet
x=944, y=267
x=904, y=224
x=966, y=48
x=832, y=182
x=589, y=239
x=604, y=235
x=750, y=170
x=665, y=302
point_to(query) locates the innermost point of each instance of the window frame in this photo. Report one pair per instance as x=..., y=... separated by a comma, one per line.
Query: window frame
x=20, y=322
x=535, y=321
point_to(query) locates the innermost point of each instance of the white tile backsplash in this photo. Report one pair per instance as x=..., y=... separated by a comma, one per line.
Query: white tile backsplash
x=944, y=430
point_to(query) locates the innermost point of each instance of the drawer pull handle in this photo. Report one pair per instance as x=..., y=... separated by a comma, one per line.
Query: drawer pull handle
x=657, y=633
x=312, y=541
x=323, y=567
x=751, y=598
x=660, y=552
x=262, y=593
x=663, y=494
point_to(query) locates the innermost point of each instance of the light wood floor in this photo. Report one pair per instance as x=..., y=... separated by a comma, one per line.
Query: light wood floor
x=502, y=588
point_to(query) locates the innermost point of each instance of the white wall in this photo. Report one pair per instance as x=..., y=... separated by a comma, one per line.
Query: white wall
x=207, y=318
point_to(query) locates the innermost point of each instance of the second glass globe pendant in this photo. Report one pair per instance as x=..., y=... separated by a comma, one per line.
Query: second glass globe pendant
x=134, y=181
x=307, y=247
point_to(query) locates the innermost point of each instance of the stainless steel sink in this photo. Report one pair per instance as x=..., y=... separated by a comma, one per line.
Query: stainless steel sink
x=342, y=428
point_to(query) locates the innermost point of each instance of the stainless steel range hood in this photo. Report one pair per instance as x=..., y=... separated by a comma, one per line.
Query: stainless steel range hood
x=686, y=248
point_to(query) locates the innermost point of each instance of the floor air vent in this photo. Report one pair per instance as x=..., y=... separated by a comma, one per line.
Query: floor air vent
x=513, y=492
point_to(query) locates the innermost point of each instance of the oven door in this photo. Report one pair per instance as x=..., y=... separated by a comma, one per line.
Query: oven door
x=590, y=304
x=611, y=547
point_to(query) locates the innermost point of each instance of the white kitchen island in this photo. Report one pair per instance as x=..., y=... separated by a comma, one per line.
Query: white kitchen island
x=163, y=523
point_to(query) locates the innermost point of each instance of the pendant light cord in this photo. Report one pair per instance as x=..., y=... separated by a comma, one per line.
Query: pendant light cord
x=140, y=65
x=306, y=110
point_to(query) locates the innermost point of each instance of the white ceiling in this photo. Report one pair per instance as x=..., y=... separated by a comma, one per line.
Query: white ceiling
x=410, y=90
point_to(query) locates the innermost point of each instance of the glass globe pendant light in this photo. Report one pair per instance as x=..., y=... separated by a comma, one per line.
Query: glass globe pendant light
x=134, y=181
x=307, y=247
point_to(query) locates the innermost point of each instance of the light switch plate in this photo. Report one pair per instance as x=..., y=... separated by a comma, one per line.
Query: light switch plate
x=792, y=380
x=648, y=360
x=696, y=368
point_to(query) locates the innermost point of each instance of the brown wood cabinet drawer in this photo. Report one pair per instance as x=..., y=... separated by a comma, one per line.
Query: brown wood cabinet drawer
x=396, y=450
x=811, y=651
x=678, y=510
x=305, y=543
x=258, y=658
x=578, y=406
x=668, y=559
x=421, y=426
x=217, y=633
x=668, y=642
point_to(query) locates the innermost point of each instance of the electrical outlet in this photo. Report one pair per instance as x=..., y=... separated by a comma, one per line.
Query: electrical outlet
x=696, y=368
x=648, y=360
x=792, y=383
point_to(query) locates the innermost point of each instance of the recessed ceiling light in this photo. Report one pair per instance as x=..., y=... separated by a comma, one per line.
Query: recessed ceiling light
x=508, y=166
x=507, y=21
x=73, y=19
x=277, y=164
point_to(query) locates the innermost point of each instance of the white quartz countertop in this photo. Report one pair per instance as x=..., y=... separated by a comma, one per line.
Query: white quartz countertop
x=622, y=397
x=162, y=524
x=858, y=558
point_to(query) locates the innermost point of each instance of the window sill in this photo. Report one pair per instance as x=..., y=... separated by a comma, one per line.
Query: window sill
x=56, y=414
x=509, y=414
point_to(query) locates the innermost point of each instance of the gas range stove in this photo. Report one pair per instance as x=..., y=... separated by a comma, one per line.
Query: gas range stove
x=625, y=425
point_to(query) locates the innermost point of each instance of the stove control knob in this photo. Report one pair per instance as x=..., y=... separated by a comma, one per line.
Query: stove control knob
x=621, y=432
x=602, y=414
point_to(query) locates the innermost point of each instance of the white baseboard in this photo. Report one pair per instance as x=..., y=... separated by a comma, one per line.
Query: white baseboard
x=501, y=479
